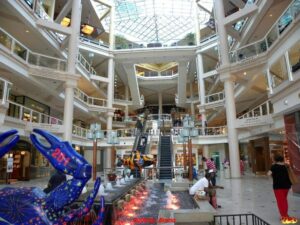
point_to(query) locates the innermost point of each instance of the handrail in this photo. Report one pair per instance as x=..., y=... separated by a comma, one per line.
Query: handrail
x=159, y=117
x=262, y=45
x=30, y=57
x=208, y=131
x=24, y=113
x=80, y=95
x=219, y=96
x=79, y=131
x=263, y=109
x=94, y=42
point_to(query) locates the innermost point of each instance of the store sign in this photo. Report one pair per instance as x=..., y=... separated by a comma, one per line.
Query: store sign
x=10, y=165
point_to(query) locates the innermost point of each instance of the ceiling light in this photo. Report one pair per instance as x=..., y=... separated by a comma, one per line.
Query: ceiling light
x=271, y=15
x=65, y=22
x=87, y=29
x=245, y=73
x=27, y=31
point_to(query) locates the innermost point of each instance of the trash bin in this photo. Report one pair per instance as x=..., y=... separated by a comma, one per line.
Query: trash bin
x=227, y=172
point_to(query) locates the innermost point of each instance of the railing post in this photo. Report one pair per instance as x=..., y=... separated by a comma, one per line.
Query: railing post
x=21, y=112
x=38, y=60
x=4, y=94
x=13, y=43
x=268, y=108
x=40, y=118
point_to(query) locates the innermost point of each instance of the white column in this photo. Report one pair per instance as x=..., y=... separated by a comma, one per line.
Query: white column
x=68, y=109
x=110, y=114
x=201, y=90
x=74, y=41
x=205, y=151
x=288, y=66
x=192, y=99
x=72, y=60
x=229, y=92
x=160, y=109
x=270, y=83
x=126, y=98
x=234, y=155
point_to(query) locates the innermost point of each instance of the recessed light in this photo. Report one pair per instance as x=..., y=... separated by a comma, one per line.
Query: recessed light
x=27, y=31
x=271, y=15
x=245, y=73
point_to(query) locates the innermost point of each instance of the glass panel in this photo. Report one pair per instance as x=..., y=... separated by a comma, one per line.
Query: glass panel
x=248, y=51
x=20, y=50
x=26, y=114
x=284, y=21
x=272, y=36
x=48, y=62
x=264, y=109
x=5, y=40
x=33, y=59
x=35, y=117
x=278, y=72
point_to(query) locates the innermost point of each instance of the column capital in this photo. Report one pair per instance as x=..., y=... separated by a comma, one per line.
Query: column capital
x=227, y=77
x=70, y=84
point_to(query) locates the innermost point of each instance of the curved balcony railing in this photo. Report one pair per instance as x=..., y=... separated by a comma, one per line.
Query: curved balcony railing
x=263, y=109
x=216, y=97
x=26, y=114
x=22, y=52
x=208, y=131
x=167, y=73
x=164, y=117
x=79, y=131
x=277, y=30
x=90, y=101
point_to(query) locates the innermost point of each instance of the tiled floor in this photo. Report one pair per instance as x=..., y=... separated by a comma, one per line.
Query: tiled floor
x=253, y=194
x=250, y=194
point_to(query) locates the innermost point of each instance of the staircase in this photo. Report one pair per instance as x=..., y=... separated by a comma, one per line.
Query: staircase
x=165, y=149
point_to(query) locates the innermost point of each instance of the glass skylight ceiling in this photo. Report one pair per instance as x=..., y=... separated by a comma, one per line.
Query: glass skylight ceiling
x=155, y=21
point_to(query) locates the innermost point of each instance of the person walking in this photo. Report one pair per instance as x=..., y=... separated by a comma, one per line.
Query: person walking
x=281, y=187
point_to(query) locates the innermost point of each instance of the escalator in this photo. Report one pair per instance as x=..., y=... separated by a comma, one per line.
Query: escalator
x=165, y=160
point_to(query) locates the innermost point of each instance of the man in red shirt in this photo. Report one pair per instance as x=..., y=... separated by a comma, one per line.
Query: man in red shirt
x=211, y=166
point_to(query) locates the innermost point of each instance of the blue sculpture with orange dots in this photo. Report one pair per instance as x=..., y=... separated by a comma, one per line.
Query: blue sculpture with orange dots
x=32, y=205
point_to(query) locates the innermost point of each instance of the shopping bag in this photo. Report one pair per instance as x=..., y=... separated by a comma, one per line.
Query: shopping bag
x=293, y=178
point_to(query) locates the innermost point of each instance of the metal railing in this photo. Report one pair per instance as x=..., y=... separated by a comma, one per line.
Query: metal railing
x=165, y=117
x=90, y=101
x=26, y=114
x=30, y=57
x=263, y=109
x=94, y=42
x=148, y=74
x=208, y=131
x=79, y=131
x=5, y=87
x=216, y=97
x=237, y=219
x=278, y=28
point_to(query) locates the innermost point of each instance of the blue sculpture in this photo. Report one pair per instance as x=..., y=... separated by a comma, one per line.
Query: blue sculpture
x=32, y=205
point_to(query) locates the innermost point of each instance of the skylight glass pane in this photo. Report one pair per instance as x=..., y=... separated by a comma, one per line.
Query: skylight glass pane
x=156, y=21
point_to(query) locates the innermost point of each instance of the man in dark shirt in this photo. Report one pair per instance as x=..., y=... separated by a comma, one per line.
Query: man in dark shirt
x=56, y=179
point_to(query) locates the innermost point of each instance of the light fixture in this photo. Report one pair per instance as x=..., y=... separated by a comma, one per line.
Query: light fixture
x=245, y=73
x=271, y=15
x=27, y=31
x=65, y=22
x=23, y=152
x=87, y=29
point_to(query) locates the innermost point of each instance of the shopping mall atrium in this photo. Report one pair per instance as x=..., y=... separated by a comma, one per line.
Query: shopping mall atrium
x=170, y=80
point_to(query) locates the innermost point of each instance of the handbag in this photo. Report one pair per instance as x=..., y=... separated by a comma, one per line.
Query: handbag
x=293, y=178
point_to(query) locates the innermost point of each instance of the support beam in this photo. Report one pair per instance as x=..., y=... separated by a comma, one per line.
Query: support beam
x=64, y=12
x=54, y=27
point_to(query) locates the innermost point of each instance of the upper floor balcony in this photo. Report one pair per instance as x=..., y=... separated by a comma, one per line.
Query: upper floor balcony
x=273, y=35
